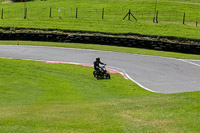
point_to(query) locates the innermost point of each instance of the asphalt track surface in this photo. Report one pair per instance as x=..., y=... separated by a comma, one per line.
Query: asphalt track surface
x=156, y=74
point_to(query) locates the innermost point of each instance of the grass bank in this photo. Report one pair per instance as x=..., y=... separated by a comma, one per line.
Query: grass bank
x=106, y=48
x=40, y=97
x=89, y=17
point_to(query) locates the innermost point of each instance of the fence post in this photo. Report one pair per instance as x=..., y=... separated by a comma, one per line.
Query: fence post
x=196, y=23
x=2, y=14
x=129, y=14
x=76, y=13
x=25, y=13
x=184, y=18
x=157, y=17
x=50, y=13
x=103, y=13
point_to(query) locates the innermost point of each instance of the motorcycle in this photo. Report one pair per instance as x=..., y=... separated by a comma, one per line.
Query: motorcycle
x=102, y=73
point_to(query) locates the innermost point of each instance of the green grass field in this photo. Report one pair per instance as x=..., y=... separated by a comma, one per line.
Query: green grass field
x=106, y=48
x=90, y=16
x=40, y=97
x=49, y=98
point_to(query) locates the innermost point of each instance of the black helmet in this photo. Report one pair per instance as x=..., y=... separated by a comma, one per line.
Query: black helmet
x=98, y=59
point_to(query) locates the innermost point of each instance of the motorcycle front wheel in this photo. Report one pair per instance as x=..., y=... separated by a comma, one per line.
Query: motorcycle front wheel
x=107, y=76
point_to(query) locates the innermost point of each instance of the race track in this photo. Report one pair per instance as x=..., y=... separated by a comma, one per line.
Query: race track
x=157, y=74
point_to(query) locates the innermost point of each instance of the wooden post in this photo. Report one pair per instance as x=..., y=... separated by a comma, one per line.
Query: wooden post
x=184, y=18
x=154, y=18
x=157, y=17
x=25, y=13
x=196, y=23
x=125, y=16
x=129, y=14
x=50, y=13
x=76, y=13
x=2, y=14
x=103, y=13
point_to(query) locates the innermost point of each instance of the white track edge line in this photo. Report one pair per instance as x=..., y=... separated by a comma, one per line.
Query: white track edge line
x=189, y=62
x=134, y=80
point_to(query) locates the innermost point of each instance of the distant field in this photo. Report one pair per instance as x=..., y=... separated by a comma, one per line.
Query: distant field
x=51, y=98
x=63, y=13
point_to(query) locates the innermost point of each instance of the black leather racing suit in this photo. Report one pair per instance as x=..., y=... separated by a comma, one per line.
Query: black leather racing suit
x=96, y=65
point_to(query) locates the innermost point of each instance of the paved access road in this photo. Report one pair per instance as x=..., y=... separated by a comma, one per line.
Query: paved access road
x=158, y=74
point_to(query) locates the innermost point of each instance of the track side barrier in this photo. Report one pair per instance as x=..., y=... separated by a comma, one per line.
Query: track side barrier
x=104, y=40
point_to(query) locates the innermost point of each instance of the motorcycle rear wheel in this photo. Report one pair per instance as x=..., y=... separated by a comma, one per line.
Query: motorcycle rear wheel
x=95, y=74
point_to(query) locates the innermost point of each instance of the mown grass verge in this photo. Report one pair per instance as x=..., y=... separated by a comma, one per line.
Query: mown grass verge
x=40, y=97
x=106, y=48
x=89, y=18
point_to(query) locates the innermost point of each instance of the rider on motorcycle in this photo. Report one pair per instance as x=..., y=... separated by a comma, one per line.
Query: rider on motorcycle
x=96, y=65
